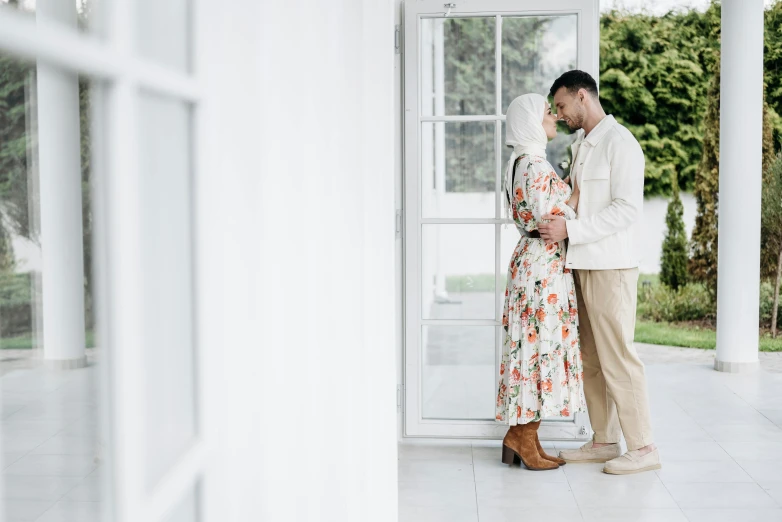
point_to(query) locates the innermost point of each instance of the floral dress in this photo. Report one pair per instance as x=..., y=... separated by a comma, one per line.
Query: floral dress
x=541, y=374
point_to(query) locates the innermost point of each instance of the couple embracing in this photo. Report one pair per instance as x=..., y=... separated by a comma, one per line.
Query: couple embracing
x=570, y=301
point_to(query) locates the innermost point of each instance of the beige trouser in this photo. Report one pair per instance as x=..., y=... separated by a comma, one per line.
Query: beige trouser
x=614, y=379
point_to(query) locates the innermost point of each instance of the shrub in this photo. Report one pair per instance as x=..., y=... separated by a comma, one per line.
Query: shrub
x=692, y=302
x=767, y=304
x=673, y=261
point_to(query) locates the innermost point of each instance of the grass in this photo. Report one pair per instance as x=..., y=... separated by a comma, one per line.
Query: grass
x=25, y=342
x=689, y=336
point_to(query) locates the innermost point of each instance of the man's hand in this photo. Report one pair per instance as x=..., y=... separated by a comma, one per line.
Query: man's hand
x=553, y=231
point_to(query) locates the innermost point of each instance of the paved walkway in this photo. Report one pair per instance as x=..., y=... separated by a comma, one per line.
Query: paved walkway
x=654, y=354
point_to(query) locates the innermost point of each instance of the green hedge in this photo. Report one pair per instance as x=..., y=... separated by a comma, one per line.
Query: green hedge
x=657, y=302
x=15, y=305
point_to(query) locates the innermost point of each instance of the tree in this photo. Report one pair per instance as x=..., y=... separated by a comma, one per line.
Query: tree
x=771, y=219
x=673, y=265
x=772, y=66
x=652, y=79
x=768, y=261
x=703, y=261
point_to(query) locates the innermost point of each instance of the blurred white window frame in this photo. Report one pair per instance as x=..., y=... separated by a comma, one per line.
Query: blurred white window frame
x=108, y=55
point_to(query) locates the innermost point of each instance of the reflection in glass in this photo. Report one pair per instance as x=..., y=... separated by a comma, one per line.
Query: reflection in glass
x=457, y=278
x=50, y=438
x=458, y=169
x=458, y=66
x=458, y=372
x=535, y=52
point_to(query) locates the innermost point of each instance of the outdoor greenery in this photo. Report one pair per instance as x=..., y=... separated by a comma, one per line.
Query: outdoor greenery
x=690, y=336
x=19, y=212
x=771, y=231
x=673, y=263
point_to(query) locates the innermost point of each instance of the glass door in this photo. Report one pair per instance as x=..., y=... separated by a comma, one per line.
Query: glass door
x=463, y=65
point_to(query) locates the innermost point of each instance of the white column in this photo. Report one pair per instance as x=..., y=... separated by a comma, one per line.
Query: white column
x=741, y=116
x=61, y=205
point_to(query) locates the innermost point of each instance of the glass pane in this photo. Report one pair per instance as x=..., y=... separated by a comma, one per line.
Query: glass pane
x=509, y=238
x=536, y=51
x=187, y=508
x=558, y=151
x=166, y=230
x=458, y=170
x=51, y=447
x=458, y=66
x=75, y=14
x=458, y=379
x=457, y=270
x=164, y=32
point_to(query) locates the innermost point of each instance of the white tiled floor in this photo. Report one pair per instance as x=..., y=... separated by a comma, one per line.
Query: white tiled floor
x=50, y=472
x=720, y=437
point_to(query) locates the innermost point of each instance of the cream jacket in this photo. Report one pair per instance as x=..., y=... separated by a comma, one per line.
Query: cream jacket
x=608, y=165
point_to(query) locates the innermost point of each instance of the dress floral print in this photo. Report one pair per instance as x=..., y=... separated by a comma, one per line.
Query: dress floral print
x=541, y=373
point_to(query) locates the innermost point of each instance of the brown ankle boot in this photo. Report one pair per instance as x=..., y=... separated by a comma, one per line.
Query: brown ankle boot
x=521, y=443
x=512, y=438
x=545, y=455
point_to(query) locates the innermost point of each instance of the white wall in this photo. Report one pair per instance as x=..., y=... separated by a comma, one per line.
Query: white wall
x=298, y=261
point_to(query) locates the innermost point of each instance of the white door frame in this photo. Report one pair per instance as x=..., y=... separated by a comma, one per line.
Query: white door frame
x=588, y=55
x=108, y=55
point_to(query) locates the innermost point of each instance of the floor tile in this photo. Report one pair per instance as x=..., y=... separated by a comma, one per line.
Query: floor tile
x=35, y=488
x=436, y=494
x=9, y=457
x=433, y=514
x=733, y=515
x=674, y=451
x=435, y=470
x=25, y=510
x=764, y=472
x=593, y=472
x=52, y=465
x=432, y=452
x=717, y=495
x=90, y=489
x=702, y=471
x=757, y=450
x=772, y=414
x=522, y=513
x=62, y=444
x=509, y=495
x=497, y=472
x=774, y=490
x=746, y=433
x=622, y=494
x=69, y=511
x=632, y=515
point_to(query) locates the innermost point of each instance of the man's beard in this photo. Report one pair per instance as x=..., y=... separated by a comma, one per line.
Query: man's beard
x=576, y=123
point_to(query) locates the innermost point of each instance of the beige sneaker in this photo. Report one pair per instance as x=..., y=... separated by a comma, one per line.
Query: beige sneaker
x=587, y=453
x=633, y=462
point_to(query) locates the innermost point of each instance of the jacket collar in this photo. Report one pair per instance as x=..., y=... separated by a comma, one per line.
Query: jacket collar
x=600, y=130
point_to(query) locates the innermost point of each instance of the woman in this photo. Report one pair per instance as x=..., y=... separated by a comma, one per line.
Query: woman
x=541, y=374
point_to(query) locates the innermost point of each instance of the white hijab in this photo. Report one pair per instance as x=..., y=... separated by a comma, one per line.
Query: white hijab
x=524, y=131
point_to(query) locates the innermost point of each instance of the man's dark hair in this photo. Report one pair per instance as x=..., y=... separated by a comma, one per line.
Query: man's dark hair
x=573, y=81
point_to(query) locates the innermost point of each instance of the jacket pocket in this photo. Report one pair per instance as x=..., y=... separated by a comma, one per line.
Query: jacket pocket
x=597, y=173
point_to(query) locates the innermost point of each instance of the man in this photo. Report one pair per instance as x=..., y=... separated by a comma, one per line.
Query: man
x=608, y=173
